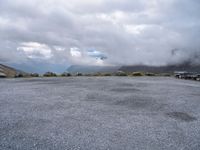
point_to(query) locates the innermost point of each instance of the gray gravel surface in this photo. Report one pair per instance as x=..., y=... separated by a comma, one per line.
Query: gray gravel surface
x=87, y=113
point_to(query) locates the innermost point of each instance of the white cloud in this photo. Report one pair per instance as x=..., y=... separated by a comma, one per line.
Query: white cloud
x=59, y=48
x=35, y=50
x=134, y=29
x=86, y=57
x=116, y=17
x=75, y=52
x=128, y=31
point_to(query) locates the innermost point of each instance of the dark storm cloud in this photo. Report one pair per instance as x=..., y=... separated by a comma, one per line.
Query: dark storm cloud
x=153, y=32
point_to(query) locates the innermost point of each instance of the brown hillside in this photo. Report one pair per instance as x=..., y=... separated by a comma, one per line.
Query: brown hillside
x=8, y=71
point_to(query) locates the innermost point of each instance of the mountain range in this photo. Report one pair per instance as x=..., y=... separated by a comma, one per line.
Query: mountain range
x=134, y=68
x=6, y=71
x=162, y=69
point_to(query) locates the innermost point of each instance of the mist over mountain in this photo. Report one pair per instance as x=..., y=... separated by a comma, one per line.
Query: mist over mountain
x=162, y=69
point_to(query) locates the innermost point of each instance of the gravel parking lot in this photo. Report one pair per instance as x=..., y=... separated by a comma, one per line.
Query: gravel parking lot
x=87, y=113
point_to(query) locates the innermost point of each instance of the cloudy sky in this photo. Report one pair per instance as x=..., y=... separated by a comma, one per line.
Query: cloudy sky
x=39, y=35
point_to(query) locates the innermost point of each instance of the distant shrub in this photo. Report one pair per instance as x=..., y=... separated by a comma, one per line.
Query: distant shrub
x=149, y=74
x=96, y=74
x=120, y=73
x=66, y=74
x=50, y=74
x=166, y=74
x=137, y=74
x=34, y=75
x=79, y=74
x=22, y=75
x=107, y=74
x=19, y=75
x=88, y=75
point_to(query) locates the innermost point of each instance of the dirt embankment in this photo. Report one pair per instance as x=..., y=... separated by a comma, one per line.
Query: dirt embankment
x=7, y=71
